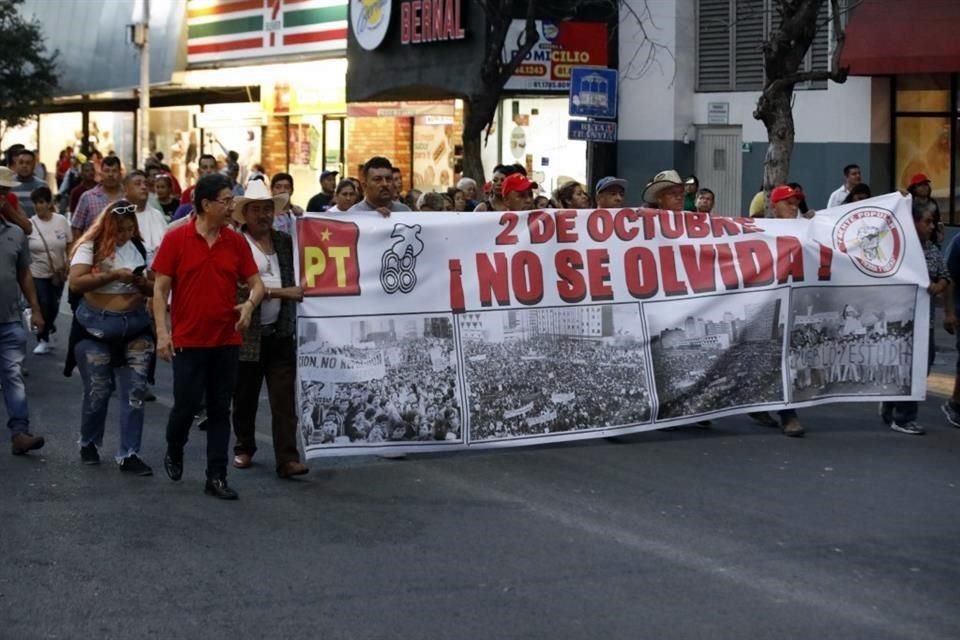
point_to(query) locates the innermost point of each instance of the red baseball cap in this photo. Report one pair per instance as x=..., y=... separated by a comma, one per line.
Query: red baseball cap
x=919, y=178
x=517, y=182
x=785, y=192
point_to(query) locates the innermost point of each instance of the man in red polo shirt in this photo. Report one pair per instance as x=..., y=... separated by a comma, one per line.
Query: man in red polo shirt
x=200, y=263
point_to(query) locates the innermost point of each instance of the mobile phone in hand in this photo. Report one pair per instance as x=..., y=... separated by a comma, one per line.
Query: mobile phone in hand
x=139, y=270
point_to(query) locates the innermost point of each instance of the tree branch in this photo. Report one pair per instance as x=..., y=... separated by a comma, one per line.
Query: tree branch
x=525, y=44
x=649, y=45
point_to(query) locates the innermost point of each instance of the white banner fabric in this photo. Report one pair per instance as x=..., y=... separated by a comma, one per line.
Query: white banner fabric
x=653, y=318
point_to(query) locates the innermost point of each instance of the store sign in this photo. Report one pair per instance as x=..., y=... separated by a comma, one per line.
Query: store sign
x=400, y=109
x=370, y=20
x=562, y=46
x=424, y=21
x=219, y=30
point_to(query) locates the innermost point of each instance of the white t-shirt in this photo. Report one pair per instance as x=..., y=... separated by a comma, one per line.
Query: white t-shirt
x=269, y=267
x=837, y=197
x=152, y=227
x=56, y=232
x=127, y=256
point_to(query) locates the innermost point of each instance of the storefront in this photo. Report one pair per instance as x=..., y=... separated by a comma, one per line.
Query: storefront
x=263, y=78
x=921, y=55
x=401, y=53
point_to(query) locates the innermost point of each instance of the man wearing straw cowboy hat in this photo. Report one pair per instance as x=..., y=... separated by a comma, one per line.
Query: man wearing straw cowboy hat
x=201, y=262
x=665, y=191
x=269, y=349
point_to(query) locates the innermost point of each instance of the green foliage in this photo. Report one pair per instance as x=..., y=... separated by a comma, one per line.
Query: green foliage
x=28, y=74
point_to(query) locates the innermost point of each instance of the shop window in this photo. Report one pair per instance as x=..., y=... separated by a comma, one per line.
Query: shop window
x=923, y=93
x=924, y=146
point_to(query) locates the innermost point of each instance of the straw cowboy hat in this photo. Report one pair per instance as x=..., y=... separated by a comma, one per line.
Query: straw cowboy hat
x=8, y=178
x=257, y=191
x=661, y=181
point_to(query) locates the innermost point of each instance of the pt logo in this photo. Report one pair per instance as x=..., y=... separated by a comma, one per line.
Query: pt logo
x=399, y=263
x=328, y=260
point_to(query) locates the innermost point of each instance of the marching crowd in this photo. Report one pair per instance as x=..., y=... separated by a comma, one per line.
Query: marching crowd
x=202, y=277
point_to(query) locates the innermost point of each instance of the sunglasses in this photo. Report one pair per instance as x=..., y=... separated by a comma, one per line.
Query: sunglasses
x=130, y=208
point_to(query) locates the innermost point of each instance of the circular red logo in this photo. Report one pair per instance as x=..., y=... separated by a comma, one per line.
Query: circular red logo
x=873, y=238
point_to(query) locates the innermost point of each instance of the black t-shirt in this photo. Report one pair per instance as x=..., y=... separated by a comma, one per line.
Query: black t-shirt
x=319, y=202
x=170, y=208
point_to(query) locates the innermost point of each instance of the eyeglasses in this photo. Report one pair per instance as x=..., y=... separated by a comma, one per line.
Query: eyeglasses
x=130, y=208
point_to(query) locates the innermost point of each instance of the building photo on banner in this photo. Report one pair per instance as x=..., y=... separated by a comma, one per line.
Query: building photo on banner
x=444, y=331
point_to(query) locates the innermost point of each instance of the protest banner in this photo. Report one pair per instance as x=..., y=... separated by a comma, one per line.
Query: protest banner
x=444, y=331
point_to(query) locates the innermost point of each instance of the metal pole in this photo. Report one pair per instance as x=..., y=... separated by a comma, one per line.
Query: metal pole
x=144, y=114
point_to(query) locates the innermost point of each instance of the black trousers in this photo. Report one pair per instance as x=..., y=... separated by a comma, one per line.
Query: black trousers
x=199, y=372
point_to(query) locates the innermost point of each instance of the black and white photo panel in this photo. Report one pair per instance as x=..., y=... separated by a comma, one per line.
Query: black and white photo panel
x=851, y=341
x=378, y=381
x=535, y=372
x=717, y=352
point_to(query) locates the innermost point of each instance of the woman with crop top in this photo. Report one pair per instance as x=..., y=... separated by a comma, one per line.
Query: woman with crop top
x=112, y=338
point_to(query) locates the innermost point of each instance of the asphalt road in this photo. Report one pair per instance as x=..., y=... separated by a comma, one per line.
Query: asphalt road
x=732, y=532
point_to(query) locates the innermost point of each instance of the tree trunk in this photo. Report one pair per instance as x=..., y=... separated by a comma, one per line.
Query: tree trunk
x=777, y=115
x=472, y=143
x=477, y=113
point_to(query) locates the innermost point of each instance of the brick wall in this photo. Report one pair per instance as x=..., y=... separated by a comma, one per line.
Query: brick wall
x=389, y=137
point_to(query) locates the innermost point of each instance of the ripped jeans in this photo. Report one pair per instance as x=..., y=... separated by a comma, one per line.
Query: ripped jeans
x=100, y=377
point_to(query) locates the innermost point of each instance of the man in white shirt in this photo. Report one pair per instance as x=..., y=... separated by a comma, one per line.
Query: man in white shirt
x=150, y=220
x=852, y=176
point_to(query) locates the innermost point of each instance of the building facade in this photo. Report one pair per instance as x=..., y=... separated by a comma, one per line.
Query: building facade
x=895, y=116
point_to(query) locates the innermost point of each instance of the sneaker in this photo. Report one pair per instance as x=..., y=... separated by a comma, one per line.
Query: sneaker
x=42, y=348
x=886, y=417
x=133, y=464
x=952, y=412
x=89, y=454
x=910, y=428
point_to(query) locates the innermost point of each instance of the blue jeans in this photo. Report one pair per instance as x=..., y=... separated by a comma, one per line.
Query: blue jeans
x=99, y=377
x=199, y=372
x=906, y=411
x=13, y=347
x=49, y=296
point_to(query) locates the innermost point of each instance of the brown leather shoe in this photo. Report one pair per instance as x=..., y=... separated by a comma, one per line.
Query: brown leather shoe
x=793, y=428
x=291, y=469
x=22, y=443
x=242, y=460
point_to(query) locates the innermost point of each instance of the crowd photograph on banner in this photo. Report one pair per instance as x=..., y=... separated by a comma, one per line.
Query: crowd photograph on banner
x=532, y=372
x=851, y=340
x=378, y=381
x=717, y=352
